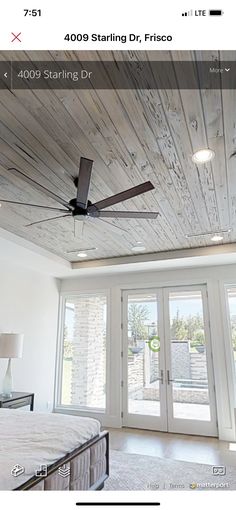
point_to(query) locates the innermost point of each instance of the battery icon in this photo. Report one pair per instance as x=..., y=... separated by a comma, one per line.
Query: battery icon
x=216, y=12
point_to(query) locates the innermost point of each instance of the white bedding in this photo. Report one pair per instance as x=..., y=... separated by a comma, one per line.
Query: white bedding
x=31, y=439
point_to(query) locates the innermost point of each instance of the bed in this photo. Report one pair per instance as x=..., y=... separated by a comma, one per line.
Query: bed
x=48, y=451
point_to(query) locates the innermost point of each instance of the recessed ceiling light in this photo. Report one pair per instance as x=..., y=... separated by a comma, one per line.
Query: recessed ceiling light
x=217, y=237
x=82, y=254
x=138, y=248
x=203, y=156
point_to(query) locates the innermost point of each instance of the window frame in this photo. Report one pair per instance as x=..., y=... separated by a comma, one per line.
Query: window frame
x=230, y=350
x=73, y=408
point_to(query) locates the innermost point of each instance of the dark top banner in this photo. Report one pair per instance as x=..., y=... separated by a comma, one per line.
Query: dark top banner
x=118, y=75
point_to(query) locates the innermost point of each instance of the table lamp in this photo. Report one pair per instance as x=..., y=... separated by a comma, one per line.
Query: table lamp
x=11, y=346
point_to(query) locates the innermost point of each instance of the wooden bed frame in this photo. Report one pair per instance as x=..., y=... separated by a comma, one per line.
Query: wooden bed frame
x=85, y=453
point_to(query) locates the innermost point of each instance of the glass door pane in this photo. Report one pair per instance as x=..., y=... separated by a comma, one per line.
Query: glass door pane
x=143, y=395
x=188, y=374
x=231, y=291
x=167, y=368
x=144, y=371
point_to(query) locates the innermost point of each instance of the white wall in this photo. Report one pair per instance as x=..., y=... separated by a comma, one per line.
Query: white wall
x=214, y=277
x=29, y=305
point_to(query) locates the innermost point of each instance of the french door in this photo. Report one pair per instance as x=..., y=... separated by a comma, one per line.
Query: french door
x=168, y=382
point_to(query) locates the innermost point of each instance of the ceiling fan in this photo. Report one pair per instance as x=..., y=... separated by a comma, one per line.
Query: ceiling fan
x=80, y=207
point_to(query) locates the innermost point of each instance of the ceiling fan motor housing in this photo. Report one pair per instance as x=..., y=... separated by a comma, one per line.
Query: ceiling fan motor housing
x=77, y=210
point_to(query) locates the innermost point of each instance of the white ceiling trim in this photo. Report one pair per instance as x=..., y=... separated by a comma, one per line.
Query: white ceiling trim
x=164, y=255
x=24, y=253
x=191, y=257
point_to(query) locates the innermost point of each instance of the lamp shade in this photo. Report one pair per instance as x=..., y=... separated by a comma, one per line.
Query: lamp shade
x=11, y=345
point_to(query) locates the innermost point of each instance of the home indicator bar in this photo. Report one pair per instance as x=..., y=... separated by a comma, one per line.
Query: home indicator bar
x=129, y=503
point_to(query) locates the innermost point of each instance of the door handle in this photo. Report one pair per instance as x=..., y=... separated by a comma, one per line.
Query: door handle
x=168, y=377
x=162, y=377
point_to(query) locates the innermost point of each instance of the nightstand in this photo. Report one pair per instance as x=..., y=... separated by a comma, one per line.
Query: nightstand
x=17, y=400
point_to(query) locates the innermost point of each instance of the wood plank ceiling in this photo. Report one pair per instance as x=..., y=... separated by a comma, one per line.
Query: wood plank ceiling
x=132, y=136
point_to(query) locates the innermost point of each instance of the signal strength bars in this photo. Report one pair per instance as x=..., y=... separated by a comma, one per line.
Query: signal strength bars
x=188, y=13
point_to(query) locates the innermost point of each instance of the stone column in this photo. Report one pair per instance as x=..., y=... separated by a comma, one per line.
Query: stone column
x=89, y=361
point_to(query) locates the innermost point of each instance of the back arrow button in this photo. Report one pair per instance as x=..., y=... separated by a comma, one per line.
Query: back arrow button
x=5, y=75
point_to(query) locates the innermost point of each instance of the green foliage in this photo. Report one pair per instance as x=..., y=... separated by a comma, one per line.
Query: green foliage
x=233, y=330
x=188, y=329
x=137, y=314
x=179, y=328
x=234, y=337
x=68, y=347
x=199, y=336
x=68, y=350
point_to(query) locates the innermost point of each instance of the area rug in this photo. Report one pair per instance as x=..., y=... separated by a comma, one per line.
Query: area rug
x=141, y=472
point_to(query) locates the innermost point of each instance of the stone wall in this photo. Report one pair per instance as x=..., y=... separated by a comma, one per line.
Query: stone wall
x=136, y=373
x=144, y=366
x=88, y=360
x=143, y=370
x=184, y=395
x=180, y=357
x=198, y=365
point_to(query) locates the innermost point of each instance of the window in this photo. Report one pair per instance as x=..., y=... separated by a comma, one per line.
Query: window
x=231, y=291
x=83, y=379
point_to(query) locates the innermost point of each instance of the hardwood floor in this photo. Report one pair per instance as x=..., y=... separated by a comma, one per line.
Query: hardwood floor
x=205, y=450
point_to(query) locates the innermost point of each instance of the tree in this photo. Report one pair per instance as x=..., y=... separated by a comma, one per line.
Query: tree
x=179, y=328
x=137, y=315
x=234, y=337
x=199, y=337
x=68, y=348
x=193, y=323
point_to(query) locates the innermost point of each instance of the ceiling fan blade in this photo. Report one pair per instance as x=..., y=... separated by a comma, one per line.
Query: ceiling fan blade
x=33, y=205
x=84, y=178
x=79, y=226
x=128, y=214
x=40, y=187
x=121, y=197
x=48, y=219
